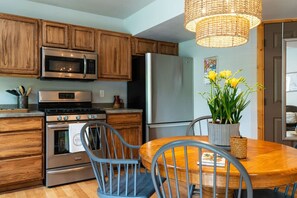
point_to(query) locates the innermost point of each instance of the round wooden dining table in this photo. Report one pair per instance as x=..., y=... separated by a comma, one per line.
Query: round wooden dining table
x=269, y=164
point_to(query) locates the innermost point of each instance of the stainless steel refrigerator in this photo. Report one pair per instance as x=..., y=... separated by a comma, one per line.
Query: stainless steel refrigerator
x=162, y=85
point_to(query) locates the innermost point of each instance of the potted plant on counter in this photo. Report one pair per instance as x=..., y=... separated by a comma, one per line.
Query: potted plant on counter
x=226, y=101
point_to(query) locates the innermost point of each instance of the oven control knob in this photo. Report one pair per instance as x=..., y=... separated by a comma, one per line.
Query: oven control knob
x=90, y=116
x=59, y=118
x=65, y=118
x=94, y=116
x=78, y=117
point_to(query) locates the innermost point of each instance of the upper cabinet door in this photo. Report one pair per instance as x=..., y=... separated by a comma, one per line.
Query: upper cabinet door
x=114, y=55
x=82, y=38
x=141, y=46
x=55, y=34
x=167, y=48
x=19, y=53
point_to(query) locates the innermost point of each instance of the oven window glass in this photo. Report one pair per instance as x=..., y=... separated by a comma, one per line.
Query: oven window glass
x=61, y=141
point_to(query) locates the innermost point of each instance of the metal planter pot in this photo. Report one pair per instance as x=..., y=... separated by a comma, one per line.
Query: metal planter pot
x=219, y=134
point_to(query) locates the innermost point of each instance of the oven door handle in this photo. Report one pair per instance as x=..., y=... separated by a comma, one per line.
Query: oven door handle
x=54, y=126
x=85, y=66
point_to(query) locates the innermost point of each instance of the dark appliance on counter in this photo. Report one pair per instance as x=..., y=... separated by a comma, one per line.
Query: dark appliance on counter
x=68, y=64
x=63, y=111
x=162, y=85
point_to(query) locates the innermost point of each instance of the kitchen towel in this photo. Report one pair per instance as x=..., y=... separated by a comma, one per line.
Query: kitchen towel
x=75, y=144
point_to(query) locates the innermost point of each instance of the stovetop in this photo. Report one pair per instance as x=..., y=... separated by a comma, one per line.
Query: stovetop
x=74, y=114
x=64, y=106
x=69, y=111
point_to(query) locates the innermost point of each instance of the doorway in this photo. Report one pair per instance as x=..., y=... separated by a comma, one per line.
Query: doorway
x=270, y=36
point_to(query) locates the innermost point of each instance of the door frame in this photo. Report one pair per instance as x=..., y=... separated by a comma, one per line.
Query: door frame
x=260, y=73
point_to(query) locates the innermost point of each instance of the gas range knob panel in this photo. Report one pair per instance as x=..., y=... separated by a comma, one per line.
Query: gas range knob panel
x=77, y=117
x=59, y=118
x=65, y=118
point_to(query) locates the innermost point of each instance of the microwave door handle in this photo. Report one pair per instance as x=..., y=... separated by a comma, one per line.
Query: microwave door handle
x=85, y=66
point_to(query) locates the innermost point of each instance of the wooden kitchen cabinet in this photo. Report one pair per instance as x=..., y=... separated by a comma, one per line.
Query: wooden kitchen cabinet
x=68, y=36
x=82, y=38
x=129, y=125
x=19, y=52
x=141, y=46
x=114, y=55
x=55, y=34
x=167, y=48
x=21, y=152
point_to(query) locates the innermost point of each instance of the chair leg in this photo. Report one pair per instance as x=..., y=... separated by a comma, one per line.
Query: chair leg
x=276, y=189
x=194, y=190
x=192, y=187
x=294, y=190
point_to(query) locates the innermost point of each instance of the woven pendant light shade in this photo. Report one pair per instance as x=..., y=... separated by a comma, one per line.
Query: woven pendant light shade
x=222, y=31
x=222, y=23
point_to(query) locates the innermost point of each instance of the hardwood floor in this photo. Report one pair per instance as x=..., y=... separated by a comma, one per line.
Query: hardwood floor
x=85, y=189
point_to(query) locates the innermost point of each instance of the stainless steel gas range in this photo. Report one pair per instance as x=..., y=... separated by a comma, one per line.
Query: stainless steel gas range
x=65, y=112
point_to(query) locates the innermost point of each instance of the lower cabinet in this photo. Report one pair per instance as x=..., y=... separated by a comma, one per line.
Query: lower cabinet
x=19, y=170
x=129, y=125
x=21, y=152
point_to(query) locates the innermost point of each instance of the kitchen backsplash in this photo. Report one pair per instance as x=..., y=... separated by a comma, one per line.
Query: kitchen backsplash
x=110, y=88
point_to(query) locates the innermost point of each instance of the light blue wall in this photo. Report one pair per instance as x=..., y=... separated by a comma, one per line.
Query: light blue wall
x=110, y=88
x=242, y=57
x=41, y=11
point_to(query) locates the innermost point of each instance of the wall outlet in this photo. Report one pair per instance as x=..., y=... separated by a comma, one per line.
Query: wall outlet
x=101, y=93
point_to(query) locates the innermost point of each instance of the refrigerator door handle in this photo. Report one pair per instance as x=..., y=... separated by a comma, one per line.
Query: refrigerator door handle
x=168, y=125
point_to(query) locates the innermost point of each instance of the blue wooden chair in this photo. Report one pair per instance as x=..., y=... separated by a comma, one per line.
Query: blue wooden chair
x=269, y=193
x=159, y=164
x=199, y=125
x=115, y=163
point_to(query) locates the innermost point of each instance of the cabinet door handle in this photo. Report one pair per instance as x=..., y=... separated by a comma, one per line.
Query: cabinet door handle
x=115, y=59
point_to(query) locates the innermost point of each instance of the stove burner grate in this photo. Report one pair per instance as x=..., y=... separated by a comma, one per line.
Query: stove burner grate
x=53, y=111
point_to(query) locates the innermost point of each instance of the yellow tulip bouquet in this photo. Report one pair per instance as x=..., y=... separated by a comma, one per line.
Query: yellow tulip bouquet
x=226, y=101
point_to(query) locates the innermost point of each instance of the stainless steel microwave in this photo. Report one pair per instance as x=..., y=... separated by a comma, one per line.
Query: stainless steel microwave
x=68, y=64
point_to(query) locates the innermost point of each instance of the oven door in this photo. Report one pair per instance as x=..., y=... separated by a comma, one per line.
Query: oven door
x=57, y=147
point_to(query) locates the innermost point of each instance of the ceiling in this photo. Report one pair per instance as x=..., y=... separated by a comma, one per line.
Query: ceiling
x=112, y=8
x=171, y=30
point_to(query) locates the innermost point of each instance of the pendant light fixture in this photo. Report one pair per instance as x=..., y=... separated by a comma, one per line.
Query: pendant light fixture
x=222, y=23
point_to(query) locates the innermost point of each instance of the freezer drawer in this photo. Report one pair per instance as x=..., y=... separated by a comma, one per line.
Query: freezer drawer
x=155, y=131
